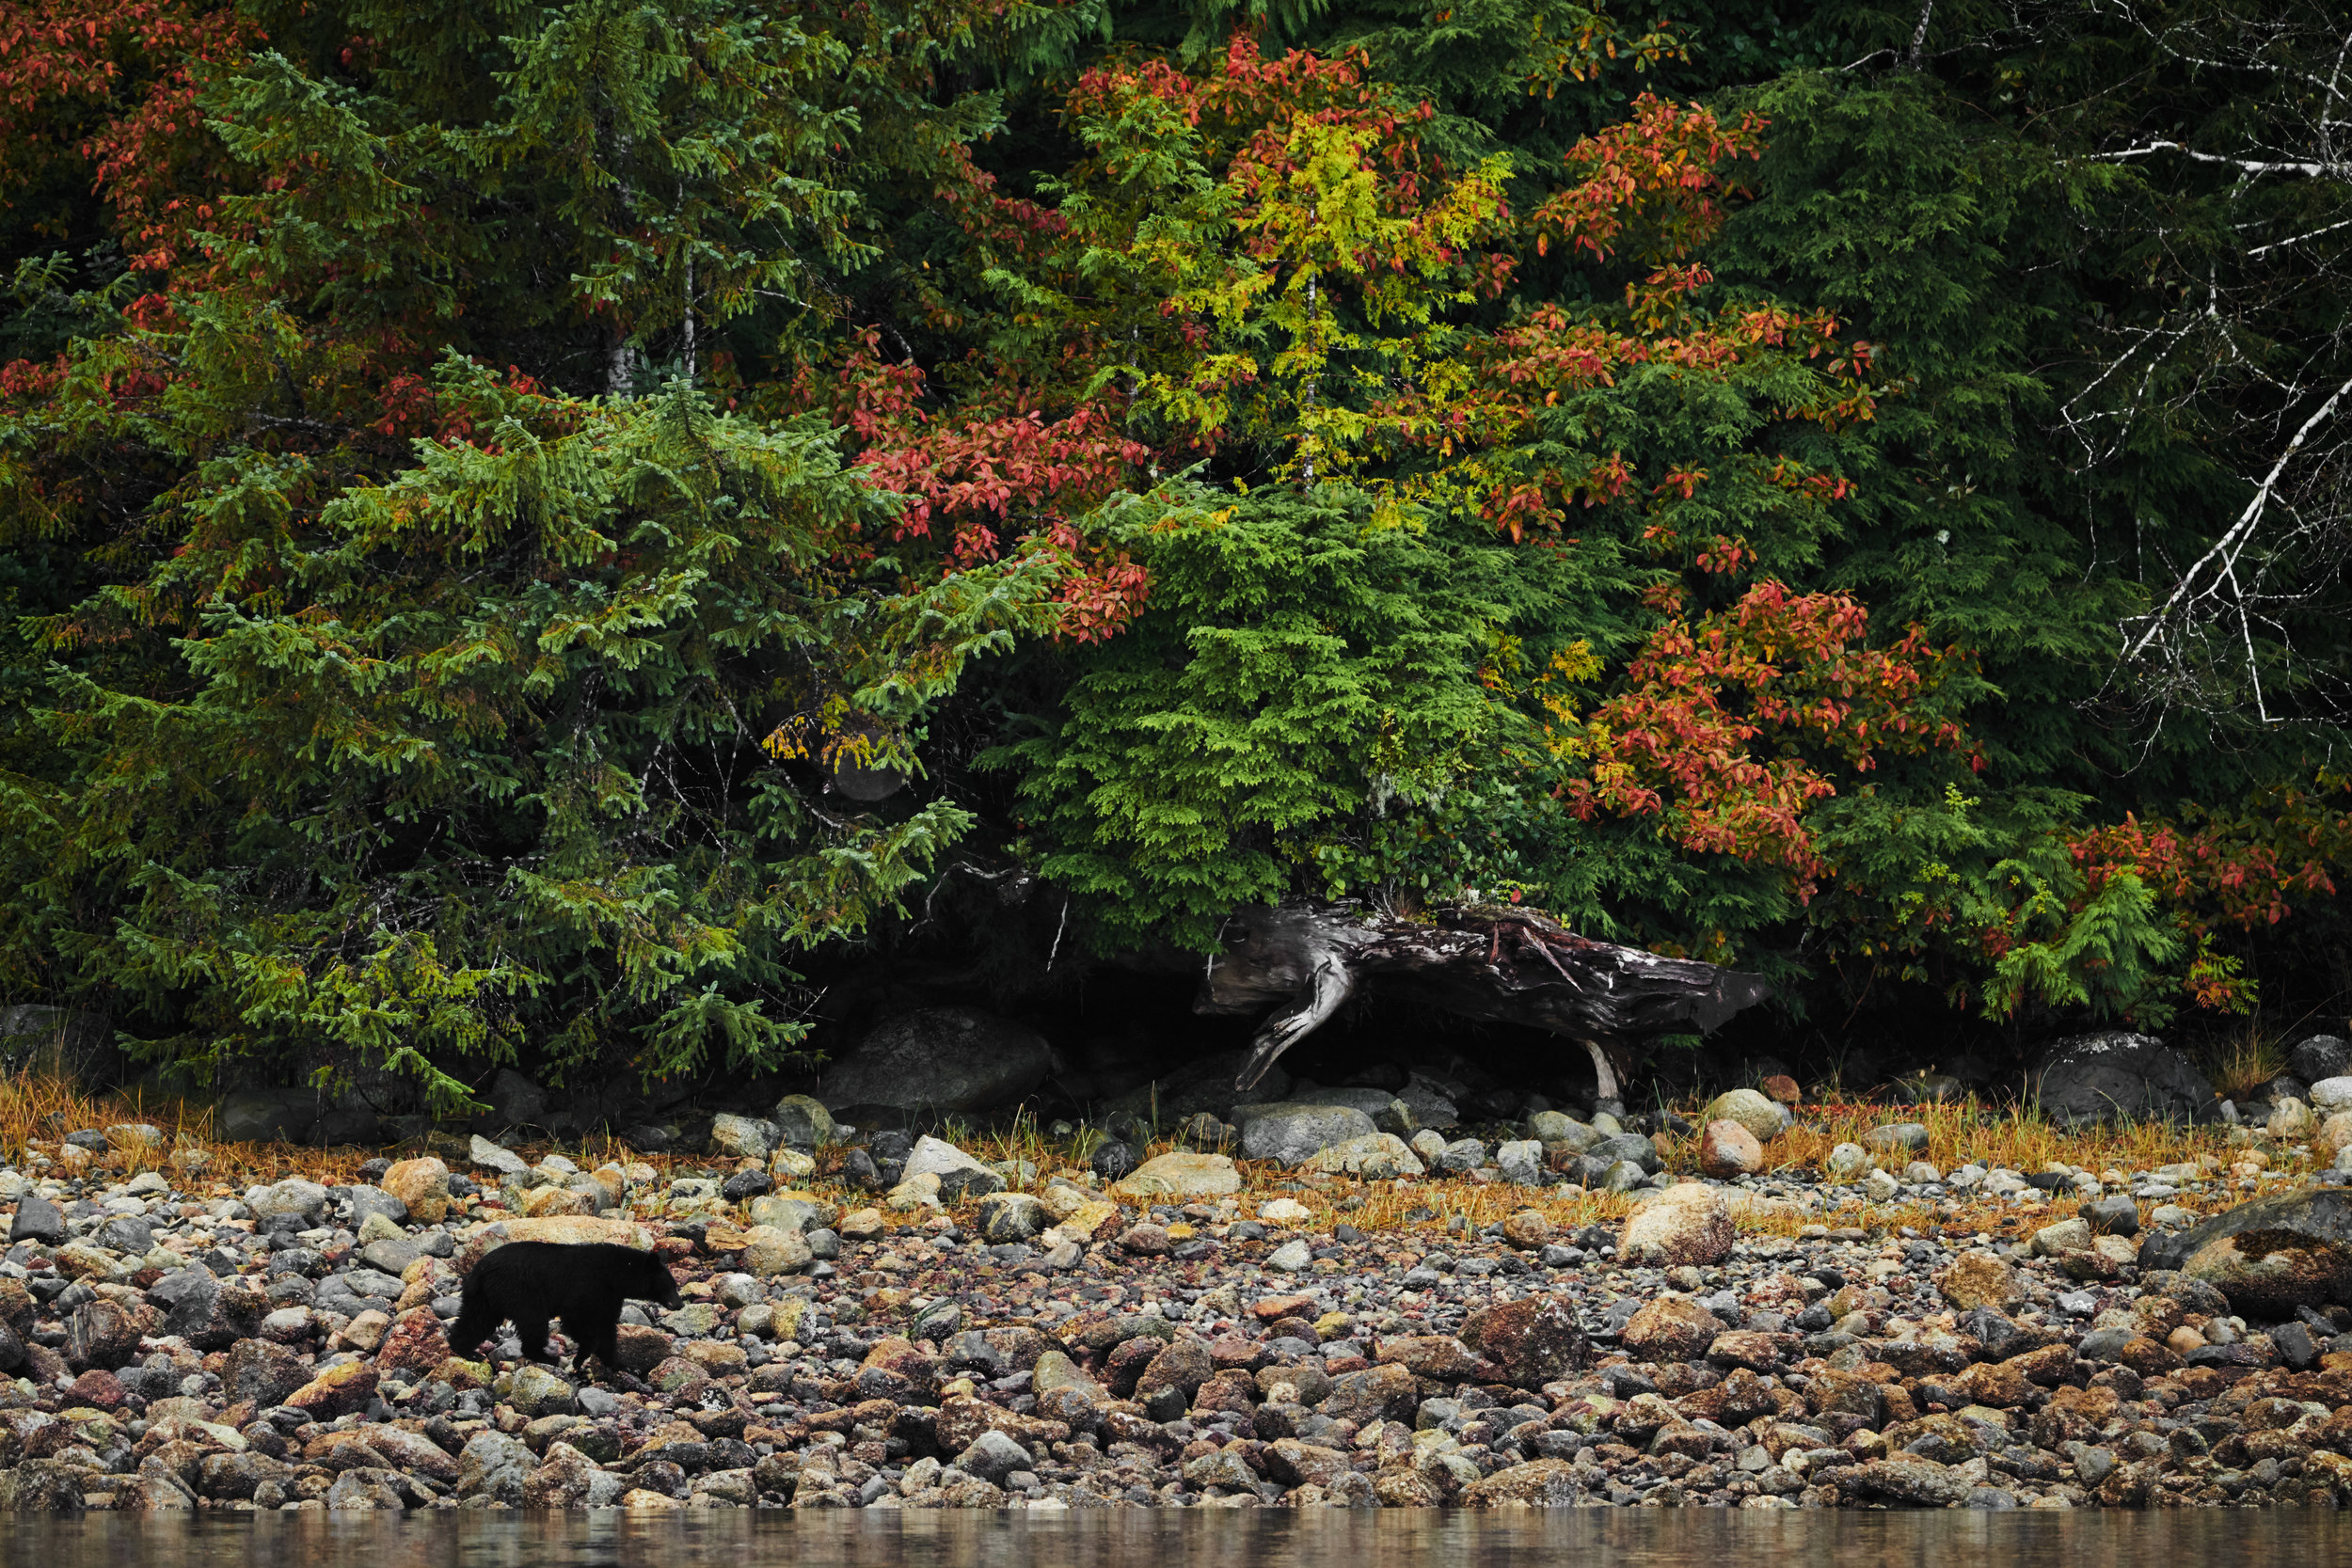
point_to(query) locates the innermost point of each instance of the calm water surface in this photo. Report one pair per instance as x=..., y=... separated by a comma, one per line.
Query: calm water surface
x=1591, y=1539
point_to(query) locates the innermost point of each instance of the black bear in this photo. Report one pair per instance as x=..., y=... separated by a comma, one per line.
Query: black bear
x=583, y=1283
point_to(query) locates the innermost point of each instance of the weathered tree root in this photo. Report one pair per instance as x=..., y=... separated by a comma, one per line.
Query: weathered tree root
x=1498, y=963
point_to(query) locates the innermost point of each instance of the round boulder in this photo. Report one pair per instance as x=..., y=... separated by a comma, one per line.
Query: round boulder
x=2269, y=1257
x=2321, y=1057
x=941, y=1059
x=1670, y=1329
x=1689, y=1222
x=802, y=1123
x=2112, y=1217
x=2117, y=1075
x=1979, y=1280
x=1182, y=1175
x=1294, y=1133
x=1727, y=1149
x=1898, y=1137
x=1762, y=1116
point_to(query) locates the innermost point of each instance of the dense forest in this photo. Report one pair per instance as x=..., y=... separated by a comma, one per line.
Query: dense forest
x=619, y=536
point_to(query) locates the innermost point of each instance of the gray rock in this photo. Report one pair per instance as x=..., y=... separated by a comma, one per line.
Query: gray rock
x=1433, y=1103
x=1846, y=1162
x=516, y=1101
x=535, y=1390
x=742, y=1137
x=2111, y=1217
x=62, y=1042
x=1370, y=1102
x=1898, y=1137
x=1521, y=1162
x=304, y=1200
x=1462, y=1156
x=391, y=1255
x=1762, y=1115
x=1290, y=1258
x=2119, y=1076
x=367, y=1282
x=1011, y=1217
x=486, y=1155
x=796, y=1215
x=941, y=1059
x=2093, y=1466
x=2269, y=1257
x=38, y=1220
x=1628, y=1146
x=993, y=1456
x=1295, y=1134
x=958, y=1173
x=941, y=1320
x=2296, y=1346
x=802, y=1123
x=263, y=1116
x=2331, y=1095
x=493, y=1466
x=188, y=1298
x=366, y=1200
x=1558, y=1127
x=2320, y=1057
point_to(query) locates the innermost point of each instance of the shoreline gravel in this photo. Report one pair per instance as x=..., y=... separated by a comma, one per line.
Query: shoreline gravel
x=1069, y=1343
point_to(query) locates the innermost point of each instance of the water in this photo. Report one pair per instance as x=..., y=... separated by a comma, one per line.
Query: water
x=1596, y=1538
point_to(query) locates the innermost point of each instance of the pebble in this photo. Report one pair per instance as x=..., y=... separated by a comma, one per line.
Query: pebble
x=288, y=1351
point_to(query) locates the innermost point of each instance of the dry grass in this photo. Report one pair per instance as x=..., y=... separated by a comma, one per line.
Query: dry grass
x=2240, y=1063
x=36, y=1113
x=1970, y=1131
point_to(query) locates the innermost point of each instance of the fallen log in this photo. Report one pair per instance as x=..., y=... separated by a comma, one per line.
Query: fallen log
x=1496, y=963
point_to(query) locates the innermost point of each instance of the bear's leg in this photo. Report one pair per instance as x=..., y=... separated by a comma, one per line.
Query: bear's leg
x=532, y=1332
x=596, y=1327
x=476, y=1320
x=583, y=1334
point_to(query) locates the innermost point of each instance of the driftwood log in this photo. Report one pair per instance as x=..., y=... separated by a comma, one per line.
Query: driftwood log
x=1498, y=963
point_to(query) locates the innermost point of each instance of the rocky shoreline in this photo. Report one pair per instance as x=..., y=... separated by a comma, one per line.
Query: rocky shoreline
x=1169, y=1339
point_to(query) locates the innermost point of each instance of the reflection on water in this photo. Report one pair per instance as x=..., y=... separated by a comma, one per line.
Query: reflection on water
x=1594, y=1538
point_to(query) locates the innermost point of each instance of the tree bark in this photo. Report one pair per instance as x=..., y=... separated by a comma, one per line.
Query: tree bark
x=1496, y=963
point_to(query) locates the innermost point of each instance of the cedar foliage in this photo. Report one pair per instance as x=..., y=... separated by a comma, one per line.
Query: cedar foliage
x=1772, y=488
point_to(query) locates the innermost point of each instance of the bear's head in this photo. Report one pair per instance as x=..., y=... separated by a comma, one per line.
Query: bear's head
x=654, y=1282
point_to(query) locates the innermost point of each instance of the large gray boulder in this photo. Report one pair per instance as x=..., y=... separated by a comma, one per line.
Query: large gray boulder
x=2269, y=1257
x=941, y=1059
x=1433, y=1102
x=1295, y=1134
x=2320, y=1057
x=958, y=1172
x=2119, y=1076
x=268, y=1116
x=516, y=1101
x=802, y=1123
x=61, y=1042
x=38, y=1220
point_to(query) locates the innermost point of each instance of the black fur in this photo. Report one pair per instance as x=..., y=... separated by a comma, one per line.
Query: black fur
x=583, y=1283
